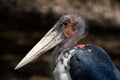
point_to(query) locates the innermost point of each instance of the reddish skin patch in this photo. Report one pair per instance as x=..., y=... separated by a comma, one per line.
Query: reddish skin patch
x=81, y=45
x=71, y=20
x=68, y=31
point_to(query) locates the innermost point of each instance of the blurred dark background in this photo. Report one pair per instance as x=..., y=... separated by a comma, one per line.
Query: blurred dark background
x=24, y=22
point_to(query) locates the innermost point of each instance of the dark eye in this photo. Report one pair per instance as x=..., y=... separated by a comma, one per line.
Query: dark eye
x=65, y=24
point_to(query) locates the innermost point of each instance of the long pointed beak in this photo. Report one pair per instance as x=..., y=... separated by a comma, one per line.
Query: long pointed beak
x=51, y=39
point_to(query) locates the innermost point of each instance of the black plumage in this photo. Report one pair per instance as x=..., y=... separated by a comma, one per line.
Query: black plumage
x=91, y=62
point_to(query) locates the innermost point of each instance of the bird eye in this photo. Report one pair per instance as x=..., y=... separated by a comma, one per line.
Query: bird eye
x=66, y=23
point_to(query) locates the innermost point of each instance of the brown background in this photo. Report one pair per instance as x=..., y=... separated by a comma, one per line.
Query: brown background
x=24, y=22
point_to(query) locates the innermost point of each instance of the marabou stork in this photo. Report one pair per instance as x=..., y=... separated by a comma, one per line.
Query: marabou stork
x=72, y=61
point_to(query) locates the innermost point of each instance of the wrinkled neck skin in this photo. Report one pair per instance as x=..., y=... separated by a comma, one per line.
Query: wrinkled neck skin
x=67, y=43
x=57, y=51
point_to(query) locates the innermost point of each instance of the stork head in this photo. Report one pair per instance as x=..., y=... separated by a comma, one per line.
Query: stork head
x=66, y=33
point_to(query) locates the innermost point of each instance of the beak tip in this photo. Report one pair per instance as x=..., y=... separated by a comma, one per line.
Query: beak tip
x=51, y=39
x=18, y=66
x=21, y=64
